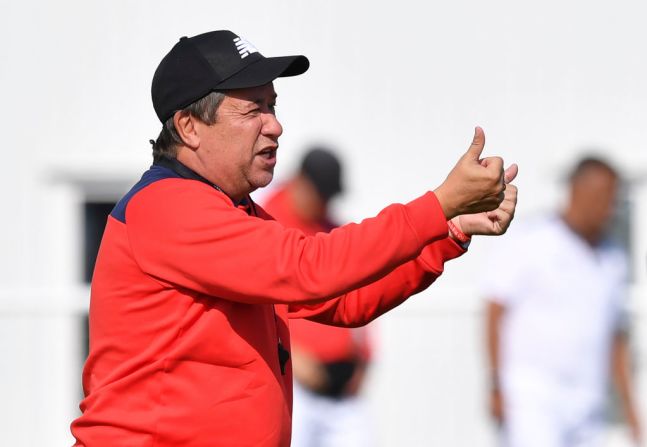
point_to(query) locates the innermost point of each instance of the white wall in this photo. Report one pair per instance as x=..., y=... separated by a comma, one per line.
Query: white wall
x=397, y=85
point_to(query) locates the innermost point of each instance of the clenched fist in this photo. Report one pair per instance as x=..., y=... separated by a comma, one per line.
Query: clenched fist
x=495, y=222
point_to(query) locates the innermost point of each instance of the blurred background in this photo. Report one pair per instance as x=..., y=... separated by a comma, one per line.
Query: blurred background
x=397, y=87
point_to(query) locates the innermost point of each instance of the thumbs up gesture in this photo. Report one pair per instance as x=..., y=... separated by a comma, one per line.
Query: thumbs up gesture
x=479, y=187
x=473, y=185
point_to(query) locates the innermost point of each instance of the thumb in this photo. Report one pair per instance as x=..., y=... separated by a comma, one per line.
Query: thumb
x=476, y=148
x=511, y=172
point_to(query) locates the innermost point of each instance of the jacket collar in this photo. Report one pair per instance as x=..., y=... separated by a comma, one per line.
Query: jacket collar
x=185, y=172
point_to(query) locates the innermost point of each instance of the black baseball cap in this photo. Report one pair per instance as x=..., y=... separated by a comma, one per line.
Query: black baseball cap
x=322, y=167
x=218, y=60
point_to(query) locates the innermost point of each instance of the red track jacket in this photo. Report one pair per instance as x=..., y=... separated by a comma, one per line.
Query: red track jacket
x=190, y=300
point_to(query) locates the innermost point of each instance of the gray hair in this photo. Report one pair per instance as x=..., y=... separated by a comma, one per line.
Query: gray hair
x=205, y=109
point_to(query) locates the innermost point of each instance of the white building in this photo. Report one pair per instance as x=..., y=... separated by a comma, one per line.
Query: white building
x=398, y=85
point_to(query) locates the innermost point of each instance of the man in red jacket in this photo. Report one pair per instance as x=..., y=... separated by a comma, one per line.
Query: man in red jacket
x=194, y=283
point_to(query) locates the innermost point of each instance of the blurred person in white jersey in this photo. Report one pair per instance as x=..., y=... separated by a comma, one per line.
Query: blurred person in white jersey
x=556, y=325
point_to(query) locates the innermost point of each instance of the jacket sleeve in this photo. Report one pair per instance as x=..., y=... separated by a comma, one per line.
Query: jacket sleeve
x=185, y=234
x=362, y=305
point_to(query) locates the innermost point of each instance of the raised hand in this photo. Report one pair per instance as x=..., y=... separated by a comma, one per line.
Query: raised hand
x=496, y=222
x=473, y=185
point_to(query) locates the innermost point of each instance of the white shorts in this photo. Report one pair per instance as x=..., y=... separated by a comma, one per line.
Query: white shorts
x=543, y=414
x=319, y=421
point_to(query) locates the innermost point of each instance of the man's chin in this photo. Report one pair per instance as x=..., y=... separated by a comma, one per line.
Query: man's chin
x=263, y=180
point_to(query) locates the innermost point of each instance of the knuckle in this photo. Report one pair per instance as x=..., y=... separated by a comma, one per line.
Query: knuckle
x=494, y=175
x=496, y=162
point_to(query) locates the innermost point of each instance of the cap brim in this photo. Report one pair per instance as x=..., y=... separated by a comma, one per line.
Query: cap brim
x=264, y=71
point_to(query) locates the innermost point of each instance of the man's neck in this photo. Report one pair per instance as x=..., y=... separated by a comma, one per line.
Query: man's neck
x=187, y=172
x=194, y=163
x=580, y=227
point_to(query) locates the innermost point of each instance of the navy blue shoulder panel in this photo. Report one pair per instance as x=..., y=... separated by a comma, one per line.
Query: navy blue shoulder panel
x=154, y=174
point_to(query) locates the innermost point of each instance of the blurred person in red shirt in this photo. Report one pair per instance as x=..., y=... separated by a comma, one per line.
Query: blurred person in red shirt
x=329, y=363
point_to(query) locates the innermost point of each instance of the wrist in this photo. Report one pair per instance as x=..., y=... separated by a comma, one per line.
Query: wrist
x=448, y=209
x=495, y=383
x=456, y=233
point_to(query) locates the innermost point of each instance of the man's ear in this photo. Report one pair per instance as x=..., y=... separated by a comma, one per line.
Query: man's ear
x=185, y=127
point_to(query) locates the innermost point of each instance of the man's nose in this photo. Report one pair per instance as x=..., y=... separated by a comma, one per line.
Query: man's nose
x=271, y=126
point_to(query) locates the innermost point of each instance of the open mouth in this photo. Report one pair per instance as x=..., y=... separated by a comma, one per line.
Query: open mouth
x=268, y=154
